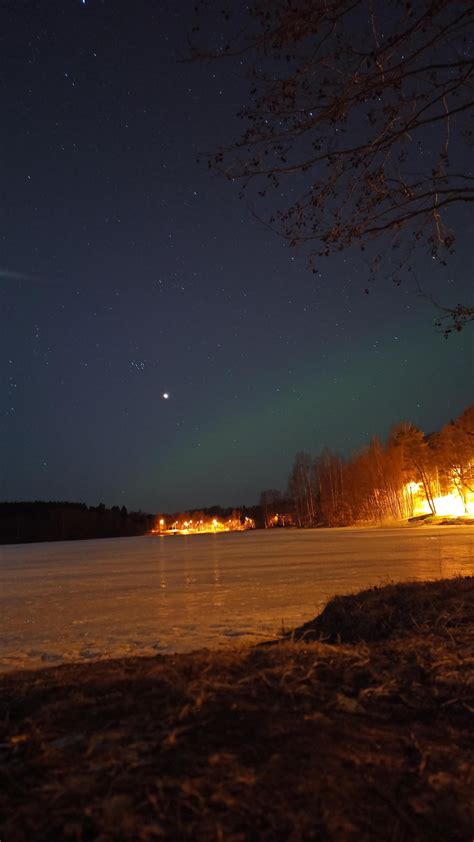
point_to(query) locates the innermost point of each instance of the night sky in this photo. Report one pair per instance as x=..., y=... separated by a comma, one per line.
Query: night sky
x=128, y=269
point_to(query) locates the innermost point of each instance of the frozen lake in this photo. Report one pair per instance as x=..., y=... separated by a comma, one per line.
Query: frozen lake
x=123, y=596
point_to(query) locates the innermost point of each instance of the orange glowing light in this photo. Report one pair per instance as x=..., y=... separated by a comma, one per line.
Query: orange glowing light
x=192, y=527
x=445, y=505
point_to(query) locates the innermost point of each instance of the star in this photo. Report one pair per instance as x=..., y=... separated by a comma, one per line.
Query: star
x=165, y=396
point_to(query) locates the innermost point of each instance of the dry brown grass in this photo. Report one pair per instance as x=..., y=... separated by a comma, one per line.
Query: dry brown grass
x=395, y=611
x=297, y=741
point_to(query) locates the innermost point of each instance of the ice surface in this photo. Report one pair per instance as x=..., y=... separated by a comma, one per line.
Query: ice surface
x=82, y=600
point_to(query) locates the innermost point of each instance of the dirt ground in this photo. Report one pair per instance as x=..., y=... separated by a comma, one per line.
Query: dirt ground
x=360, y=726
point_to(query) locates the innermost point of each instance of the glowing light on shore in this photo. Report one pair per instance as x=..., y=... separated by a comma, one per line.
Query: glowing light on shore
x=195, y=527
x=446, y=505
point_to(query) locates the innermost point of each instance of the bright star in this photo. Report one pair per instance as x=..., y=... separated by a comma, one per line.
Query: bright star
x=165, y=396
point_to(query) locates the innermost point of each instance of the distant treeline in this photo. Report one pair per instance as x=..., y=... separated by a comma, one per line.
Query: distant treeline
x=219, y=512
x=59, y=521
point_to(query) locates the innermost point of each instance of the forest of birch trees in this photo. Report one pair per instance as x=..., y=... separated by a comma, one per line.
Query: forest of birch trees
x=382, y=482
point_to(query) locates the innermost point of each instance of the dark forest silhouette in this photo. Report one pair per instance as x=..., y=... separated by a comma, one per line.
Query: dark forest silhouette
x=29, y=522
x=26, y=522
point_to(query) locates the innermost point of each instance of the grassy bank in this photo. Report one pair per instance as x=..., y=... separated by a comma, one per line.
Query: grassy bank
x=366, y=736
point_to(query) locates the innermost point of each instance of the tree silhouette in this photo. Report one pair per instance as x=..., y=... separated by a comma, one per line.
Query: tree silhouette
x=359, y=131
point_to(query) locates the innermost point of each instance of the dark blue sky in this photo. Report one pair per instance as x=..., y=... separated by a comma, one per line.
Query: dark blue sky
x=127, y=269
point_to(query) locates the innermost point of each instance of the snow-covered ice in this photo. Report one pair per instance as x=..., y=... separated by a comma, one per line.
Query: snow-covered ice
x=82, y=600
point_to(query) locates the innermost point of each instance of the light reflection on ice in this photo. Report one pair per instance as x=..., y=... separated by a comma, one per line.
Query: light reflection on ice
x=120, y=597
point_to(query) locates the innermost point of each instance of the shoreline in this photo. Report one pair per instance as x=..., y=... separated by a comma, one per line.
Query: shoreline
x=410, y=523
x=366, y=734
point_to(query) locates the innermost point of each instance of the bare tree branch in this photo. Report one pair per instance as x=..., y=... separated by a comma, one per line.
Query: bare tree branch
x=349, y=99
